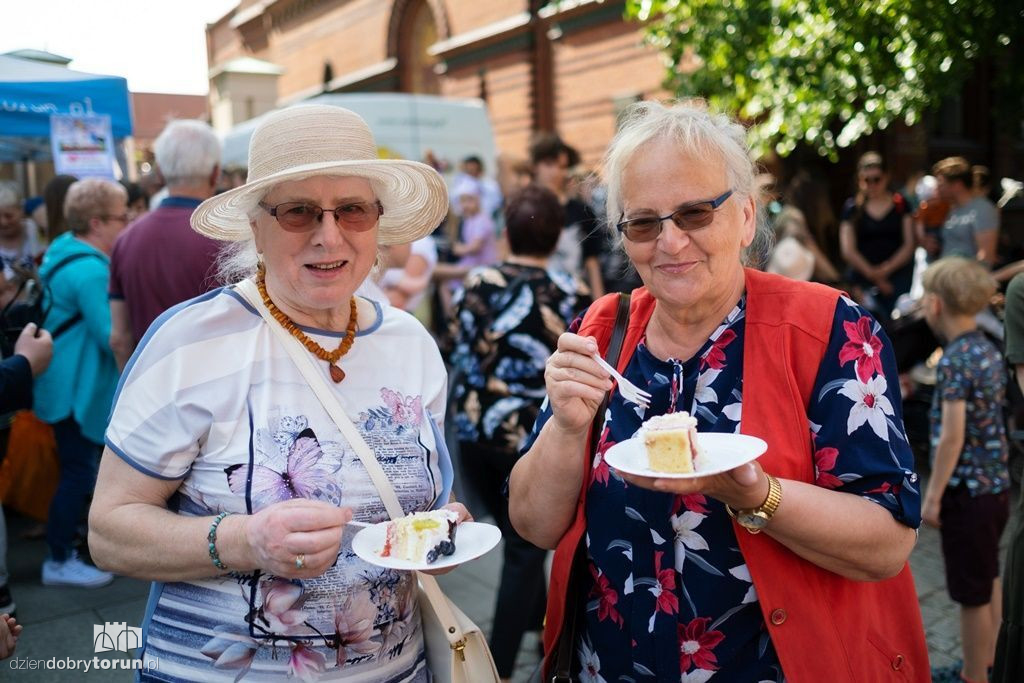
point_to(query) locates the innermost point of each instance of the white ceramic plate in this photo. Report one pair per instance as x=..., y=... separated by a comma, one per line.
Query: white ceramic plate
x=722, y=452
x=472, y=539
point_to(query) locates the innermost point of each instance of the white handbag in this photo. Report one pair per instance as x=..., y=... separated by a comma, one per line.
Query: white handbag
x=457, y=651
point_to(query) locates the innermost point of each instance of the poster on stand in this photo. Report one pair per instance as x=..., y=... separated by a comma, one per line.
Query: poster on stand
x=83, y=145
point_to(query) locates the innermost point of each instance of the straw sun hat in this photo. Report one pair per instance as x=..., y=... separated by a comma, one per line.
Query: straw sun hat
x=315, y=140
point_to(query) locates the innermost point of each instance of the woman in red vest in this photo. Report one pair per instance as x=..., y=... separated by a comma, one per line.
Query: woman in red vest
x=674, y=579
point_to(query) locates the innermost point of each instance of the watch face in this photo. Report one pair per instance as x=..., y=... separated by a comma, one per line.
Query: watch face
x=752, y=520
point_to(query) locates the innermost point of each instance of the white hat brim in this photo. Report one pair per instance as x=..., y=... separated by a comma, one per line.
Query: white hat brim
x=414, y=197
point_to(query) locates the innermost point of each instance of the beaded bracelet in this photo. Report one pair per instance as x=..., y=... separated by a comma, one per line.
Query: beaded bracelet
x=212, y=538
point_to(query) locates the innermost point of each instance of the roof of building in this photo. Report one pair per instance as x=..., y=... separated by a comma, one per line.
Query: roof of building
x=152, y=110
x=246, y=65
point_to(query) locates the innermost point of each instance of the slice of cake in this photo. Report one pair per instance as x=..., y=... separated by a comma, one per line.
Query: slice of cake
x=671, y=442
x=421, y=537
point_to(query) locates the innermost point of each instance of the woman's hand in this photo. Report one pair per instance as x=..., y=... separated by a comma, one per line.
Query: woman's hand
x=742, y=488
x=575, y=383
x=930, y=511
x=460, y=510
x=464, y=516
x=9, y=632
x=278, y=534
x=36, y=345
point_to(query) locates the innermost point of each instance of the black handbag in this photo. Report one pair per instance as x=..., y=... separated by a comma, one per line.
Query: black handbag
x=31, y=304
x=27, y=306
x=563, y=653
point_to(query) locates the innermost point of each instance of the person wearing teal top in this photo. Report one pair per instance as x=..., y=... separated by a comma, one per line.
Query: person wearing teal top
x=76, y=391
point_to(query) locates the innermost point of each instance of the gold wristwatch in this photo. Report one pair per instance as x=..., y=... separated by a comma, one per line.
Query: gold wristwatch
x=755, y=519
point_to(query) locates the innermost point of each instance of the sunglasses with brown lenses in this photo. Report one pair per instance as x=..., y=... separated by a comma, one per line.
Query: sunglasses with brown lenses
x=692, y=216
x=302, y=216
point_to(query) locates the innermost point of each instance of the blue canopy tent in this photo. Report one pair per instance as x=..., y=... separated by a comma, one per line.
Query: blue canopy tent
x=31, y=91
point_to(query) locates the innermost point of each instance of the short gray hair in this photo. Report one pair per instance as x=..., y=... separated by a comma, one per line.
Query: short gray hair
x=90, y=198
x=186, y=152
x=238, y=260
x=697, y=132
x=10, y=193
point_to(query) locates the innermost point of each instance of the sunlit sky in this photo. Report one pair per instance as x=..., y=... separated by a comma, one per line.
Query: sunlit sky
x=158, y=45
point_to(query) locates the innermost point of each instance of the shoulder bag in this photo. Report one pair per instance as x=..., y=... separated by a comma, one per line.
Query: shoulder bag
x=457, y=650
x=31, y=304
x=561, y=670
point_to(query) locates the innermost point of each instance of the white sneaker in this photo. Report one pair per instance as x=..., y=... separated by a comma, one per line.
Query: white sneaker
x=74, y=572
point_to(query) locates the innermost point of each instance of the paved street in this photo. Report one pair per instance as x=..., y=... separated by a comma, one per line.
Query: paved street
x=59, y=621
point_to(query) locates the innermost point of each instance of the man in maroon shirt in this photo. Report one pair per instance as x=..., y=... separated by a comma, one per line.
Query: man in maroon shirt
x=159, y=261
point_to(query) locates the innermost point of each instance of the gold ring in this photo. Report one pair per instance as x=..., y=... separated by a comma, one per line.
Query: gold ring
x=300, y=561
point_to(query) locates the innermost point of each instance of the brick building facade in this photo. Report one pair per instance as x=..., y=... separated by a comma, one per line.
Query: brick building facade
x=539, y=65
x=567, y=65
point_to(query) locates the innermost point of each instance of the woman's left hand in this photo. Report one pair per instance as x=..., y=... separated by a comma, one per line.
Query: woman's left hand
x=464, y=516
x=930, y=512
x=742, y=488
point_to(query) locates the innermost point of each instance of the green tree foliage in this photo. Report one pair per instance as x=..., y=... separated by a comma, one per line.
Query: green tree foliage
x=826, y=72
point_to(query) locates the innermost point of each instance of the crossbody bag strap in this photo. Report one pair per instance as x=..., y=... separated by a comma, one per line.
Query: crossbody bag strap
x=304, y=362
x=563, y=653
x=77, y=317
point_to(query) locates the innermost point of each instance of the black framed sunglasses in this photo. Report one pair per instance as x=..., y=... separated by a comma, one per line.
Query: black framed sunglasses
x=301, y=216
x=692, y=216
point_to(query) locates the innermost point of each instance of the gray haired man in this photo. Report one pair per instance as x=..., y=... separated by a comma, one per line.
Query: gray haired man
x=160, y=261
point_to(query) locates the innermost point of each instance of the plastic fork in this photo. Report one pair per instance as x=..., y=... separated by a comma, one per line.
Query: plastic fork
x=629, y=391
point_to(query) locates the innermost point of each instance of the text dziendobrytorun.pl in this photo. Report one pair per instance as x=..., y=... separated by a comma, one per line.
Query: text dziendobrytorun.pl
x=85, y=665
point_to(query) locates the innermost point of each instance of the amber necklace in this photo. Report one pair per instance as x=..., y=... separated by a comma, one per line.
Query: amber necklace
x=332, y=357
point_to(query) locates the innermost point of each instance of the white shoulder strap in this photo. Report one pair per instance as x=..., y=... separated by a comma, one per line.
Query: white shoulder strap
x=304, y=362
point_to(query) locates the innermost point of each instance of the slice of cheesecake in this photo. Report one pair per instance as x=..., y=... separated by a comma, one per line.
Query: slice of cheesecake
x=671, y=442
x=421, y=537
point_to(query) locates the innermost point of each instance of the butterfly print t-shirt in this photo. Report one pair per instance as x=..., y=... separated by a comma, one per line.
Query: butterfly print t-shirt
x=212, y=400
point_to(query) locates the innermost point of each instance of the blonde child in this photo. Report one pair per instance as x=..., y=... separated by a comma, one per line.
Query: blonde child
x=968, y=493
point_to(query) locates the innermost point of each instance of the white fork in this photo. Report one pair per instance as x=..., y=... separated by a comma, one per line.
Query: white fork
x=629, y=391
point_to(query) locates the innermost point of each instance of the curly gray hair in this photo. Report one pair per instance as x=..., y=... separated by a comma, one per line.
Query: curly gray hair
x=700, y=133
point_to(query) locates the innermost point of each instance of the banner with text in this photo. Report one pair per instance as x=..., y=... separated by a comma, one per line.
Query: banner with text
x=83, y=146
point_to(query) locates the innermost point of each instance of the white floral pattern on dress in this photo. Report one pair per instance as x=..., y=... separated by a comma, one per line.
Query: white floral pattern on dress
x=870, y=404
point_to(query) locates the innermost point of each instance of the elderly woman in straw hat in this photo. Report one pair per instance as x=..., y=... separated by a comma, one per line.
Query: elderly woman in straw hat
x=225, y=481
x=792, y=567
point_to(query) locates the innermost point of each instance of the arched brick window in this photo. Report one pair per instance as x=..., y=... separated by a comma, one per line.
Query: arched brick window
x=415, y=26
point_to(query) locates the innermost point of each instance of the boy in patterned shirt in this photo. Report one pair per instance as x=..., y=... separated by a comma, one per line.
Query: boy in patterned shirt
x=968, y=493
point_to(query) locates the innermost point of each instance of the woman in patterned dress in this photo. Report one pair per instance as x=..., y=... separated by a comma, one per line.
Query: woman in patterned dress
x=674, y=587
x=213, y=417
x=508, y=320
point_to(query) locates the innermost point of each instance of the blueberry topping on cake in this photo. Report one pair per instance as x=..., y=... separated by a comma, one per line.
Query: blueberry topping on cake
x=421, y=537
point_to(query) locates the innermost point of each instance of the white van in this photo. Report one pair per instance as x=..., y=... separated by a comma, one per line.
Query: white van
x=404, y=126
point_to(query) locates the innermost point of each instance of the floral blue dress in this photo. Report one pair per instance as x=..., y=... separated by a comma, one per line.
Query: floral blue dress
x=669, y=595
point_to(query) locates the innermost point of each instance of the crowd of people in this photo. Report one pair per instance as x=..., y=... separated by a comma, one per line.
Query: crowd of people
x=220, y=476
x=99, y=287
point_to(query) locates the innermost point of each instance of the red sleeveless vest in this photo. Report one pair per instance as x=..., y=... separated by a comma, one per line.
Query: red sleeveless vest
x=824, y=627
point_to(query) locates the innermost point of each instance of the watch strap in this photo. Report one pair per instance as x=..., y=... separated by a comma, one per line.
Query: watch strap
x=765, y=510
